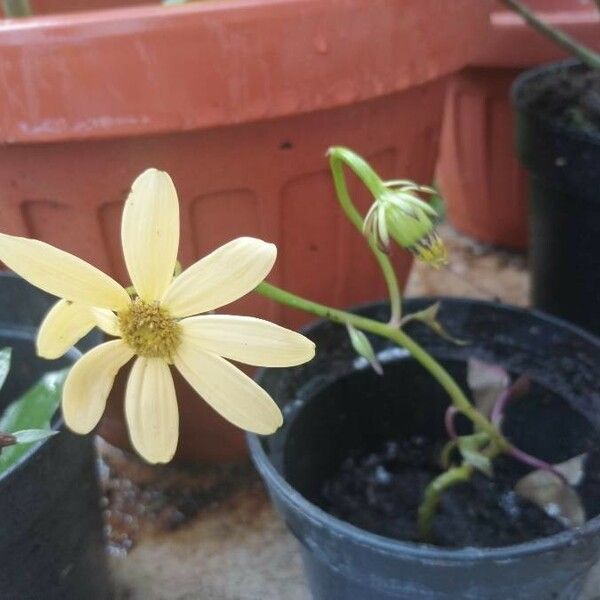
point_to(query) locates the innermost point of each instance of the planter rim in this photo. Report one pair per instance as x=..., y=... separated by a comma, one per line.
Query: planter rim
x=28, y=333
x=519, y=103
x=389, y=546
x=513, y=44
x=210, y=64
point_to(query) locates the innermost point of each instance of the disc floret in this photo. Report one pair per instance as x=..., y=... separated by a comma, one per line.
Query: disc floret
x=149, y=330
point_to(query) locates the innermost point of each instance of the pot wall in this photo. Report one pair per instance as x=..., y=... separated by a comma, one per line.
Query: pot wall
x=565, y=212
x=479, y=174
x=344, y=562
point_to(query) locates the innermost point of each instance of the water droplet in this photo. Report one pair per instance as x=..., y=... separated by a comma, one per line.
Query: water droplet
x=321, y=45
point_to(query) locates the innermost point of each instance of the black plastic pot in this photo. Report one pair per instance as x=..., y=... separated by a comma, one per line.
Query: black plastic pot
x=51, y=546
x=336, y=403
x=564, y=174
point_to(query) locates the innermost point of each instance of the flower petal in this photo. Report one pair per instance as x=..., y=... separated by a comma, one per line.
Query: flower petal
x=63, y=326
x=89, y=382
x=150, y=233
x=229, y=391
x=60, y=273
x=151, y=410
x=107, y=321
x=249, y=340
x=223, y=276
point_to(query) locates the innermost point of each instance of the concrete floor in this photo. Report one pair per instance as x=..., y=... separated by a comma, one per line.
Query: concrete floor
x=210, y=533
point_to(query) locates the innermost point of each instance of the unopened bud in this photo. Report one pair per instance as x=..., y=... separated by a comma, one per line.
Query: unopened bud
x=400, y=214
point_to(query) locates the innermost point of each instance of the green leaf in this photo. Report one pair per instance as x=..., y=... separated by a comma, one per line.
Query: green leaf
x=34, y=410
x=26, y=436
x=428, y=316
x=5, y=355
x=361, y=344
x=470, y=448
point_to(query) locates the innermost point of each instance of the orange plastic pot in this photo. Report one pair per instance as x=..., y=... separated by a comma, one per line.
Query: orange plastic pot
x=238, y=100
x=478, y=172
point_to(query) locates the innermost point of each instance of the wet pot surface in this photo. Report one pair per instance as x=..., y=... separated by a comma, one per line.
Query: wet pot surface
x=348, y=468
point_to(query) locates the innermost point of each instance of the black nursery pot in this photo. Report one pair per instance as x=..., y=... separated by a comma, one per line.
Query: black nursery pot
x=564, y=174
x=51, y=546
x=336, y=404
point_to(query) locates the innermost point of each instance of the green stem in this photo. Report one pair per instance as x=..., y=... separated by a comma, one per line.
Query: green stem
x=16, y=8
x=398, y=336
x=433, y=494
x=584, y=54
x=337, y=158
x=442, y=482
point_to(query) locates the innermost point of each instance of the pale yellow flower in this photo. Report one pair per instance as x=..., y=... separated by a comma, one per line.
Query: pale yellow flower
x=157, y=324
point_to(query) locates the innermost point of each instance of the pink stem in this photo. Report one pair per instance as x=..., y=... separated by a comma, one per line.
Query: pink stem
x=451, y=412
x=537, y=463
x=518, y=388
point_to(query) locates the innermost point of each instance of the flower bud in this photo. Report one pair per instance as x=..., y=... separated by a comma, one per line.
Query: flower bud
x=400, y=214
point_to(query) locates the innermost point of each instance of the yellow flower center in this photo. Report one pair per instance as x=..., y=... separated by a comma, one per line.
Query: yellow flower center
x=149, y=330
x=431, y=249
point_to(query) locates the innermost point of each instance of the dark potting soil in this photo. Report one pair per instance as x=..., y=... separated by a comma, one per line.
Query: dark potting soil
x=380, y=489
x=567, y=96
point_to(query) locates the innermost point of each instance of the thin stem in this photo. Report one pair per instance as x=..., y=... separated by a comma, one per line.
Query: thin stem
x=433, y=494
x=16, y=8
x=536, y=463
x=451, y=412
x=518, y=388
x=584, y=54
x=398, y=336
x=442, y=482
x=337, y=158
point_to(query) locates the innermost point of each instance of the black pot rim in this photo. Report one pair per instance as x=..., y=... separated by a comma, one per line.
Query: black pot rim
x=517, y=100
x=27, y=333
x=390, y=546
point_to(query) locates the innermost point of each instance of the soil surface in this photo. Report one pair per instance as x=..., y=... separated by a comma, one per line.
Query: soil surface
x=380, y=491
x=569, y=97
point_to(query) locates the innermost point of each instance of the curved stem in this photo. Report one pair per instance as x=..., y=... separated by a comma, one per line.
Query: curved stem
x=433, y=493
x=536, y=463
x=337, y=158
x=585, y=55
x=398, y=336
x=449, y=421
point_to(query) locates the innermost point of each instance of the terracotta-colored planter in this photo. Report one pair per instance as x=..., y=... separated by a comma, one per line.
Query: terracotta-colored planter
x=484, y=186
x=238, y=100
